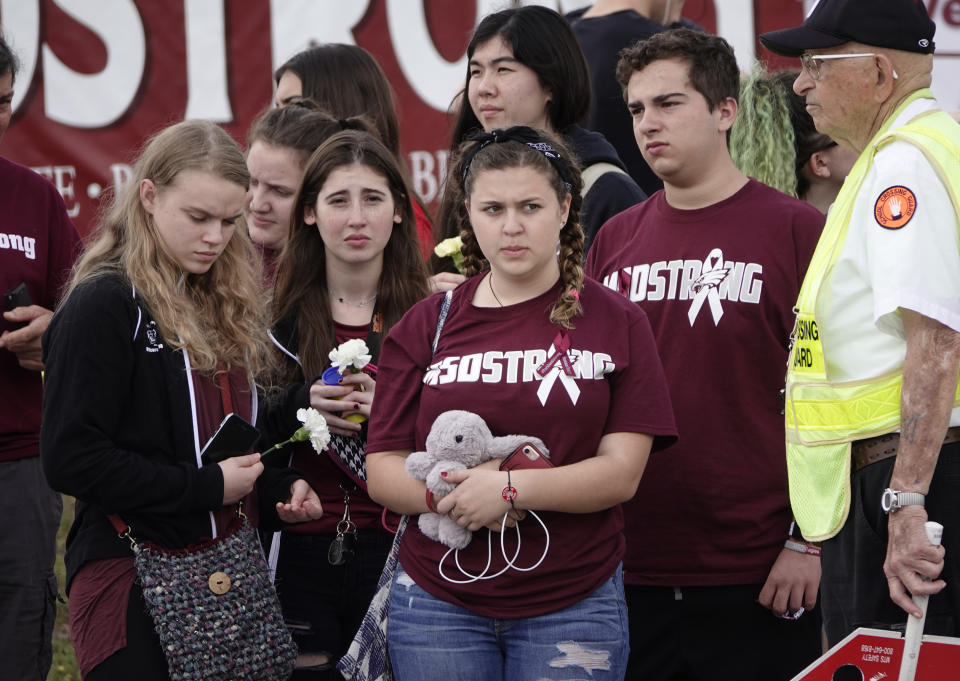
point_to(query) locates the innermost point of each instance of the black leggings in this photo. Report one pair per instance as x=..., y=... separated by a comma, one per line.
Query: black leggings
x=142, y=658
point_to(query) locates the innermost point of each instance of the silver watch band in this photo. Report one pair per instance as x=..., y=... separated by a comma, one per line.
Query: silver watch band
x=893, y=500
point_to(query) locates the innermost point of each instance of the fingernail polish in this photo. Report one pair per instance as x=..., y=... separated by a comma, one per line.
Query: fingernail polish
x=443, y=474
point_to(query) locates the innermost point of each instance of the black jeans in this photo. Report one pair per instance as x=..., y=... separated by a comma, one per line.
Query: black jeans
x=715, y=632
x=323, y=604
x=854, y=588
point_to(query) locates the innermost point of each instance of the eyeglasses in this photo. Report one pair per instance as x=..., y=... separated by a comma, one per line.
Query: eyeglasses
x=812, y=62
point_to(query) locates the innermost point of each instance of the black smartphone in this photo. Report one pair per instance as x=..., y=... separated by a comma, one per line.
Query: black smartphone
x=18, y=296
x=526, y=456
x=234, y=437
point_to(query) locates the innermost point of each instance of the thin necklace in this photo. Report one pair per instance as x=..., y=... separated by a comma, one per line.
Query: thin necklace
x=490, y=283
x=361, y=303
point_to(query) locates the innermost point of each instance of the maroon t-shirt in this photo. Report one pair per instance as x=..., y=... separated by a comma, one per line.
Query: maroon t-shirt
x=38, y=244
x=718, y=285
x=329, y=481
x=486, y=362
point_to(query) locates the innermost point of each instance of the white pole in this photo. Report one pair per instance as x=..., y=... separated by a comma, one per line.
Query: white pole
x=914, y=634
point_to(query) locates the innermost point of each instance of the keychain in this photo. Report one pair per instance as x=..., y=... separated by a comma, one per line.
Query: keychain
x=344, y=544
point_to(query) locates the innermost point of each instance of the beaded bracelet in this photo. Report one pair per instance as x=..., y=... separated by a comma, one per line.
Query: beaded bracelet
x=509, y=493
x=802, y=547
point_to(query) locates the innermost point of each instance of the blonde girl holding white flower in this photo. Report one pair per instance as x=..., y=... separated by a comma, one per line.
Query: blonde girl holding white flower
x=156, y=340
x=350, y=270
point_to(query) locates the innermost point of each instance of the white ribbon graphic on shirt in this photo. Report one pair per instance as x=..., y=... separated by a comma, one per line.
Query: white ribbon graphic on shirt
x=558, y=365
x=705, y=286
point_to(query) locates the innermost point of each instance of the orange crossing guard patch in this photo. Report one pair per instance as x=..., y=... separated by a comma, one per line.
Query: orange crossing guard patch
x=895, y=207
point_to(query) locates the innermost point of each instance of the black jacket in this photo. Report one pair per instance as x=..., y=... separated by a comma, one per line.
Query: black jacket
x=277, y=416
x=613, y=192
x=118, y=430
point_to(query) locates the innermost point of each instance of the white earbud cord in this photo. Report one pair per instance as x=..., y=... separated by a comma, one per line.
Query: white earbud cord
x=510, y=562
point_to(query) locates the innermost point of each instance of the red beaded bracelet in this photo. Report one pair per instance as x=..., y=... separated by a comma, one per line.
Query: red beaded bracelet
x=509, y=493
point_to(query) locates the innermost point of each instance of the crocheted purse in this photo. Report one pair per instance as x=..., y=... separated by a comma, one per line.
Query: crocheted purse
x=215, y=609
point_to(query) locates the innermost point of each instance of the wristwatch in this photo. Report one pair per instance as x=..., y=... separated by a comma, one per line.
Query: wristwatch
x=893, y=500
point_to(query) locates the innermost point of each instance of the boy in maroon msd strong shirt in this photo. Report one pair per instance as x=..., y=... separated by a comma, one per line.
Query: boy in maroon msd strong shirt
x=715, y=259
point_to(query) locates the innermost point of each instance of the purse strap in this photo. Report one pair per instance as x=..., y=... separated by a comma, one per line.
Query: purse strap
x=441, y=319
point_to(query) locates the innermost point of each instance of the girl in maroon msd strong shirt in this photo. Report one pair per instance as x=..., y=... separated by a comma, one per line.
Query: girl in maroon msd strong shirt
x=532, y=348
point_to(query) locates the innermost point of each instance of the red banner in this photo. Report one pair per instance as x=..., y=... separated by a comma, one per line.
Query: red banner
x=100, y=76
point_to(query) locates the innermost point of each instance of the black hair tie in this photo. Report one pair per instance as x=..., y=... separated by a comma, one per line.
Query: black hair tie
x=525, y=135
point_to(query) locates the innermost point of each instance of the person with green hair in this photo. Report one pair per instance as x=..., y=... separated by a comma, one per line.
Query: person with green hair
x=774, y=141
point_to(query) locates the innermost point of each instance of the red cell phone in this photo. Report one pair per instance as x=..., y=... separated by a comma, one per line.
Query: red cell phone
x=525, y=456
x=234, y=437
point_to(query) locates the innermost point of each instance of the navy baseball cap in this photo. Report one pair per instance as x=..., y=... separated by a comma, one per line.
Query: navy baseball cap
x=896, y=24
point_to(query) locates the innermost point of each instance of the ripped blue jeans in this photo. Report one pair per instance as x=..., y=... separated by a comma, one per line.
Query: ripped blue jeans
x=432, y=640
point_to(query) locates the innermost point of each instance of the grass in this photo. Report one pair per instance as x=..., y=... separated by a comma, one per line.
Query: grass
x=64, y=666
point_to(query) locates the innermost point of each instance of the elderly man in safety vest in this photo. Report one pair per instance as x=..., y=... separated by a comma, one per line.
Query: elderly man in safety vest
x=873, y=443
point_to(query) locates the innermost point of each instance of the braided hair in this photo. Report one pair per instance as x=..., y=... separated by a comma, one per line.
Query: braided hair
x=525, y=147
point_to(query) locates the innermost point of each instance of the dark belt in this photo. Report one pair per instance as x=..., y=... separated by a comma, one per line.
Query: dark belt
x=866, y=452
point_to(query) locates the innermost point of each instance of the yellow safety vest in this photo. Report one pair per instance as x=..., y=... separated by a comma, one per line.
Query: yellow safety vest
x=824, y=416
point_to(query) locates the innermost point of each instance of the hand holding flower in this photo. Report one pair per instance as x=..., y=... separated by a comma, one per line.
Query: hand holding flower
x=441, y=282
x=348, y=360
x=353, y=396
x=326, y=400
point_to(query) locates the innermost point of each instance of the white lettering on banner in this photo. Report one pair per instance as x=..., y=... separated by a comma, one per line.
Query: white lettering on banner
x=435, y=80
x=21, y=28
x=735, y=22
x=207, y=95
x=98, y=99
x=427, y=175
x=121, y=174
x=15, y=242
x=710, y=280
x=520, y=366
x=297, y=24
x=62, y=178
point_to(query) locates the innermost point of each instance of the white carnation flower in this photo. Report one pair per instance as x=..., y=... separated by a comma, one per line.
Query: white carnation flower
x=353, y=355
x=314, y=428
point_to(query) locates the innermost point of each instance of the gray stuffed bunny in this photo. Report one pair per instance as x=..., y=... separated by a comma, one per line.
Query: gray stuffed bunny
x=458, y=440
